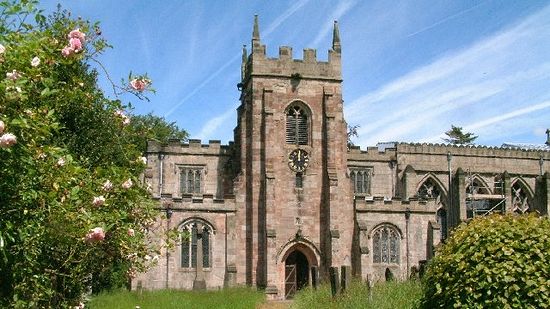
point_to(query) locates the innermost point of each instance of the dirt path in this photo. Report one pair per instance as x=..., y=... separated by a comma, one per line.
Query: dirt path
x=275, y=304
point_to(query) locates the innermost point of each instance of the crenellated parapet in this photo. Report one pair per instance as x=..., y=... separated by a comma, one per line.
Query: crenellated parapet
x=391, y=151
x=197, y=203
x=375, y=154
x=379, y=204
x=285, y=66
x=192, y=147
x=471, y=150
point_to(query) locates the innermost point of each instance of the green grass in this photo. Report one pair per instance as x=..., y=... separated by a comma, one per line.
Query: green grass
x=391, y=295
x=227, y=298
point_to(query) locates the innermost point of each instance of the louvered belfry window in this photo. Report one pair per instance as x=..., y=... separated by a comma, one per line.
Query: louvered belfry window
x=296, y=126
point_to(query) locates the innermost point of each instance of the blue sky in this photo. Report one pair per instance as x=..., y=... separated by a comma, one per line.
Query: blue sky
x=410, y=68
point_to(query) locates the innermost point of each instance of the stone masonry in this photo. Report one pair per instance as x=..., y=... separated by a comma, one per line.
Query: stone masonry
x=256, y=220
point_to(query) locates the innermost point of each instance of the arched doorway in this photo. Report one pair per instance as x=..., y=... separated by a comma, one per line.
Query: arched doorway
x=296, y=273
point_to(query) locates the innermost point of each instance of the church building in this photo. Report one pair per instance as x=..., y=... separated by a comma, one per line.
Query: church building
x=288, y=199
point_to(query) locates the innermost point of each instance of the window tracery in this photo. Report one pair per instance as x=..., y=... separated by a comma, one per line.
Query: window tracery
x=361, y=180
x=189, y=244
x=191, y=180
x=385, y=244
x=429, y=189
x=520, y=199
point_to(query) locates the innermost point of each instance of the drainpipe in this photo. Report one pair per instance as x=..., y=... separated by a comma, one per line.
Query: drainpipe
x=161, y=167
x=407, y=217
x=168, y=217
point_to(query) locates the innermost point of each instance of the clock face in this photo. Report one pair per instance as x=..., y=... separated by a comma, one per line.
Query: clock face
x=298, y=160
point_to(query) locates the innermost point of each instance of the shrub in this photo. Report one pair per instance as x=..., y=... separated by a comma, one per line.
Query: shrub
x=500, y=261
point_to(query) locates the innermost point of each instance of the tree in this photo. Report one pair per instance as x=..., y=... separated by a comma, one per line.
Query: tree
x=352, y=132
x=457, y=137
x=72, y=208
x=152, y=127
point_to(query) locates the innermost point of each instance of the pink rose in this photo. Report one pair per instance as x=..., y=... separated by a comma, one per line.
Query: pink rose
x=7, y=140
x=67, y=51
x=125, y=120
x=76, y=34
x=95, y=235
x=75, y=44
x=139, y=84
x=98, y=200
x=131, y=232
x=2, y=126
x=127, y=184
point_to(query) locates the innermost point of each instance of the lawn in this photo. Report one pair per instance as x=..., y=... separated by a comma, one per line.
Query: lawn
x=390, y=295
x=227, y=298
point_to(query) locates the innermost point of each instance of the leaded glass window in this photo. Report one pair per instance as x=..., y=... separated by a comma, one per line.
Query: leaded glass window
x=385, y=245
x=297, y=128
x=205, y=248
x=361, y=180
x=520, y=200
x=190, y=180
x=189, y=252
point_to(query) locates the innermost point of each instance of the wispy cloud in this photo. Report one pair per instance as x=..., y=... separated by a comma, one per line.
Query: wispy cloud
x=286, y=14
x=439, y=22
x=498, y=119
x=276, y=23
x=341, y=9
x=462, y=87
x=215, y=122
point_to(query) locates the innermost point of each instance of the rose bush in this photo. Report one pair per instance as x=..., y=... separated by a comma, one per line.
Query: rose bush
x=73, y=212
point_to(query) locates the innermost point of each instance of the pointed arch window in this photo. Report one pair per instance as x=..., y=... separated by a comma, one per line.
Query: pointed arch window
x=297, y=125
x=520, y=198
x=386, y=245
x=198, y=234
x=429, y=189
x=480, y=201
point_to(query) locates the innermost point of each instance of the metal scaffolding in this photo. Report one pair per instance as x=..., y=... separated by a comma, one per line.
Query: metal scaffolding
x=481, y=199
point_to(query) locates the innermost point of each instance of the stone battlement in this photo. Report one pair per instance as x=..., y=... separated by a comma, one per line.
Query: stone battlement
x=286, y=66
x=193, y=146
x=470, y=150
x=395, y=204
x=200, y=202
x=356, y=152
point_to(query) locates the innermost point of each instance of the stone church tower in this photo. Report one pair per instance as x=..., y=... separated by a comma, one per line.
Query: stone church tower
x=291, y=141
